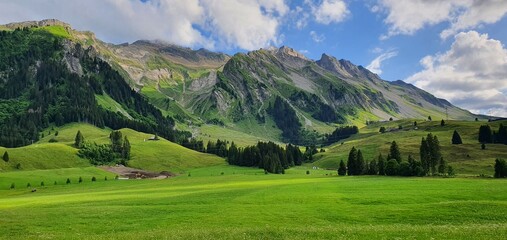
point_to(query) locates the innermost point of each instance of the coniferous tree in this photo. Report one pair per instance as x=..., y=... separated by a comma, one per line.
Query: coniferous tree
x=485, y=134
x=342, y=170
x=394, y=152
x=360, y=164
x=442, y=123
x=500, y=168
x=501, y=134
x=351, y=162
x=373, y=168
x=79, y=140
x=434, y=152
x=392, y=167
x=381, y=165
x=125, y=151
x=442, y=166
x=456, y=138
x=116, y=138
x=425, y=155
x=232, y=156
x=5, y=157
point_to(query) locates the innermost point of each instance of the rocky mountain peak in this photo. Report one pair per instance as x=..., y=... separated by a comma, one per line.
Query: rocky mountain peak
x=284, y=50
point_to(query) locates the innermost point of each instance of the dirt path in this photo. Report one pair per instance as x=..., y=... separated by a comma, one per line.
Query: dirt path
x=134, y=173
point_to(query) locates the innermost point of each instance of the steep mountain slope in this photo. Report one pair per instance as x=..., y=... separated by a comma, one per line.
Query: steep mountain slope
x=274, y=92
x=47, y=77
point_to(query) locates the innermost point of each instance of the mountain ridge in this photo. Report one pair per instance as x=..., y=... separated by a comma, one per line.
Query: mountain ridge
x=201, y=86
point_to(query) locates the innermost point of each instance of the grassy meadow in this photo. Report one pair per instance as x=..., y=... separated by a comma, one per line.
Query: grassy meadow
x=210, y=200
x=246, y=203
x=466, y=158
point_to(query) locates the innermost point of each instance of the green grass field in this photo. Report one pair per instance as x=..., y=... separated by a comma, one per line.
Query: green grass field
x=244, y=203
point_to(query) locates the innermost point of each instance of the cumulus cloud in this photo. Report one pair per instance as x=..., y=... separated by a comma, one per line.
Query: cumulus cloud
x=471, y=74
x=209, y=23
x=375, y=65
x=329, y=11
x=409, y=16
x=318, y=38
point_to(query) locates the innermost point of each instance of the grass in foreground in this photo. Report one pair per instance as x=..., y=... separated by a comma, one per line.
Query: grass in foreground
x=249, y=204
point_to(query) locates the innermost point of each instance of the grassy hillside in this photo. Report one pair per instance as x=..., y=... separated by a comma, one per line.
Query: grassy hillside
x=150, y=155
x=467, y=158
x=232, y=206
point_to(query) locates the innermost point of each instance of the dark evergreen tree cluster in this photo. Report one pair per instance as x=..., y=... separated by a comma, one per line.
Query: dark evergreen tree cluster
x=500, y=168
x=395, y=166
x=218, y=148
x=266, y=155
x=286, y=120
x=341, y=133
x=486, y=135
x=313, y=104
x=194, y=144
x=38, y=89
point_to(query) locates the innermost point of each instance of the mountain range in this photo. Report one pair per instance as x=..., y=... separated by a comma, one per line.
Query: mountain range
x=275, y=92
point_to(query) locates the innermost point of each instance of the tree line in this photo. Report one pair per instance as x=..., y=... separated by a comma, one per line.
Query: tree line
x=486, y=135
x=431, y=162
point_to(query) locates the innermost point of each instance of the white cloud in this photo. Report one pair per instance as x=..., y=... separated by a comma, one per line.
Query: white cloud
x=408, y=16
x=329, y=11
x=375, y=65
x=318, y=38
x=471, y=74
x=209, y=23
x=299, y=16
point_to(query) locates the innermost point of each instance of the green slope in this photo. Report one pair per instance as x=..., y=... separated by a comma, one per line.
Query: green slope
x=467, y=158
x=150, y=155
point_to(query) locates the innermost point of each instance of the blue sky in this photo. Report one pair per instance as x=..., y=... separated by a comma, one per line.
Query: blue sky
x=454, y=49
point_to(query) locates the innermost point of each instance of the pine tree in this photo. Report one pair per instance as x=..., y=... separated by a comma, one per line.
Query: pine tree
x=80, y=180
x=485, y=134
x=125, y=149
x=342, y=170
x=425, y=155
x=232, y=154
x=79, y=140
x=442, y=123
x=5, y=157
x=373, y=168
x=360, y=164
x=441, y=166
x=394, y=152
x=434, y=152
x=392, y=167
x=68, y=181
x=500, y=168
x=456, y=138
x=351, y=163
x=381, y=165
x=502, y=134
